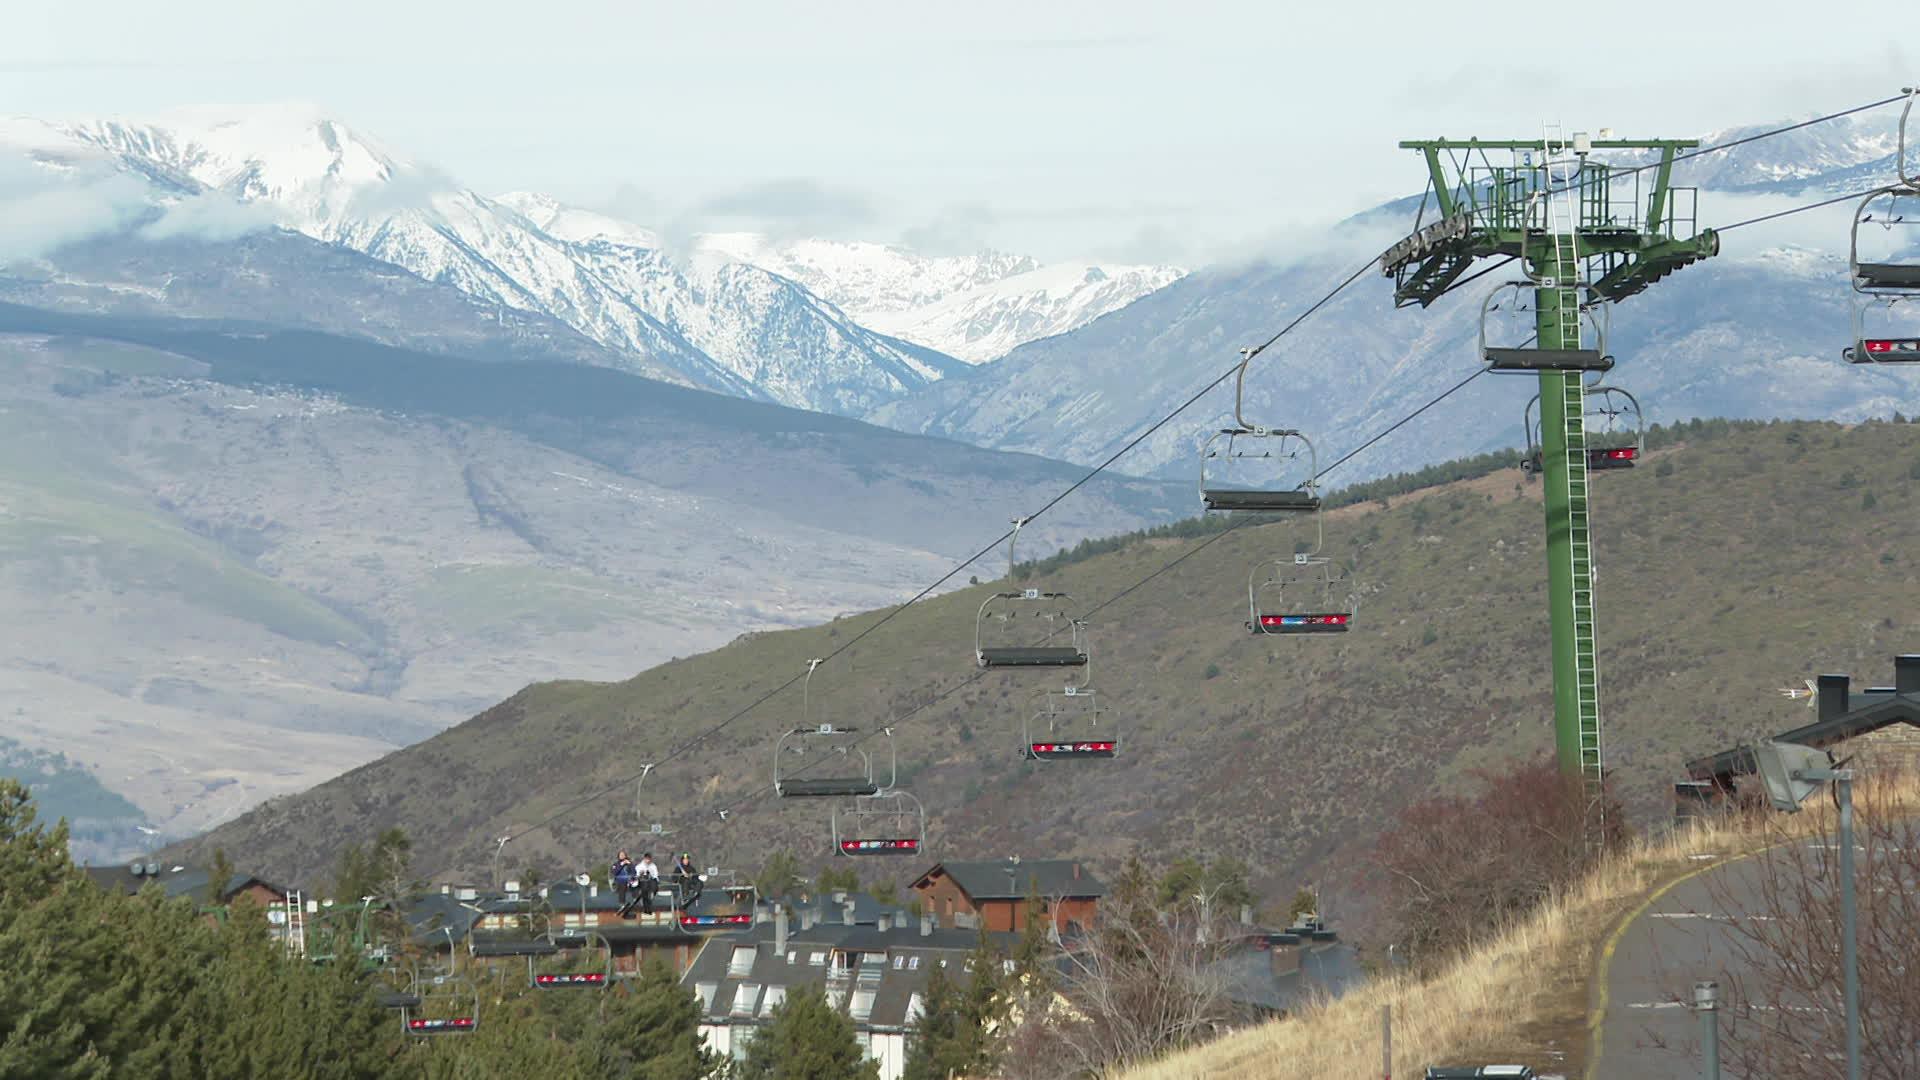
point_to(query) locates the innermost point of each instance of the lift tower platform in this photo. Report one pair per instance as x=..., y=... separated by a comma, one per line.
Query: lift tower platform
x=1585, y=233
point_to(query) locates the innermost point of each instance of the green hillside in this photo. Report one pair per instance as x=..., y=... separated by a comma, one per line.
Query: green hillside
x=1728, y=567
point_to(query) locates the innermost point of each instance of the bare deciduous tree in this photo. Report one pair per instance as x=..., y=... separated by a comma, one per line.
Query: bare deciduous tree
x=1785, y=1018
x=1142, y=981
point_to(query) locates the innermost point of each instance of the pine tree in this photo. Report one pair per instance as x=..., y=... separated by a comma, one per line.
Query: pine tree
x=806, y=1039
x=776, y=878
x=1033, y=955
x=944, y=1043
x=985, y=1000
x=649, y=1030
x=844, y=879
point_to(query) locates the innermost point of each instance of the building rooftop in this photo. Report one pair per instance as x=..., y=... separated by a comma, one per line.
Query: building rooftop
x=1010, y=879
x=174, y=880
x=871, y=974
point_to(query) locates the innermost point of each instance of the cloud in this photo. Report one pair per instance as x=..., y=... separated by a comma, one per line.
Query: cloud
x=44, y=209
x=789, y=208
x=211, y=217
x=960, y=229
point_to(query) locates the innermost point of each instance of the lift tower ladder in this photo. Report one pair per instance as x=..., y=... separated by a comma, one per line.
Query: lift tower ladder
x=1558, y=287
x=1585, y=234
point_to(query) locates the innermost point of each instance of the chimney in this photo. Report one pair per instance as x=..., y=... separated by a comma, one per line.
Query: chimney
x=1832, y=691
x=593, y=890
x=926, y=926
x=846, y=912
x=886, y=921
x=1076, y=871
x=806, y=918
x=780, y=931
x=1246, y=914
x=1906, y=673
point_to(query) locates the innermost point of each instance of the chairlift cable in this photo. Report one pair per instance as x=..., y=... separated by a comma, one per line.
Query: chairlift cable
x=1191, y=551
x=1803, y=209
x=700, y=737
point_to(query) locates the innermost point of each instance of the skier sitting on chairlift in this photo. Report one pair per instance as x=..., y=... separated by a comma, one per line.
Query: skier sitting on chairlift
x=647, y=879
x=686, y=879
x=622, y=875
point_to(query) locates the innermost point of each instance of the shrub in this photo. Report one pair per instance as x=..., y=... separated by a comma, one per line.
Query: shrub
x=1457, y=867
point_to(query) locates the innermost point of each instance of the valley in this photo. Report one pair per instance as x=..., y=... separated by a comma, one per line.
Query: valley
x=314, y=551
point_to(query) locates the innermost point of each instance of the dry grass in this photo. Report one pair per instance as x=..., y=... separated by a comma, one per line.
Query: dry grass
x=1492, y=1000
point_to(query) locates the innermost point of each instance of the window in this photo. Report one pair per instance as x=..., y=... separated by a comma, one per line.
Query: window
x=862, y=1008
x=745, y=998
x=899, y=962
x=742, y=1037
x=816, y=959
x=741, y=964
x=792, y=955
x=776, y=995
x=913, y=963
x=916, y=1007
x=706, y=990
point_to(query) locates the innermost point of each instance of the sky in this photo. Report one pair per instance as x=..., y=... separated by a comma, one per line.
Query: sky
x=1118, y=130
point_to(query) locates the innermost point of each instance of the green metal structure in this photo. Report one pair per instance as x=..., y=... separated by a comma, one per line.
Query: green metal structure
x=1585, y=234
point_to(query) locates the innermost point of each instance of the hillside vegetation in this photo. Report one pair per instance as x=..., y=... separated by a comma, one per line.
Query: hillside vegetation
x=1522, y=994
x=1727, y=568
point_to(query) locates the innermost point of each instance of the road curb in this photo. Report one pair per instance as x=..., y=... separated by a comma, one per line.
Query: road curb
x=1597, y=978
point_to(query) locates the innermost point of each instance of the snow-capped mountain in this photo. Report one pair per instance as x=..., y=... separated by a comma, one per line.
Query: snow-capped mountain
x=1754, y=332
x=865, y=277
x=729, y=327
x=989, y=321
x=974, y=307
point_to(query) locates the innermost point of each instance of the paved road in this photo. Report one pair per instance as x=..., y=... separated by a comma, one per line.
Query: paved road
x=1679, y=937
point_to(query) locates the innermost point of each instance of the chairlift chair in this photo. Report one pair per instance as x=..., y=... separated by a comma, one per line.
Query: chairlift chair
x=859, y=770
x=1526, y=359
x=1028, y=627
x=1071, y=724
x=1257, y=469
x=1278, y=453
x=733, y=906
x=399, y=988
x=1616, y=430
x=1886, y=280
x=585, y=965
x=449, y=1005
x=818, y=740
x=1299, y=596
x=890, y=823
x=728, y=898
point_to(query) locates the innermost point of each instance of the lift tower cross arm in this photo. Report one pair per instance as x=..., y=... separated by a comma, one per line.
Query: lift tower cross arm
x=1585, y=234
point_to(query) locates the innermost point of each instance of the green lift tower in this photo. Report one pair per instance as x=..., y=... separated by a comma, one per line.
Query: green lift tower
x=1584, y=234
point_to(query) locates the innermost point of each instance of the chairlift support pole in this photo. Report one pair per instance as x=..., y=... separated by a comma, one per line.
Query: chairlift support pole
x=1559, y=214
